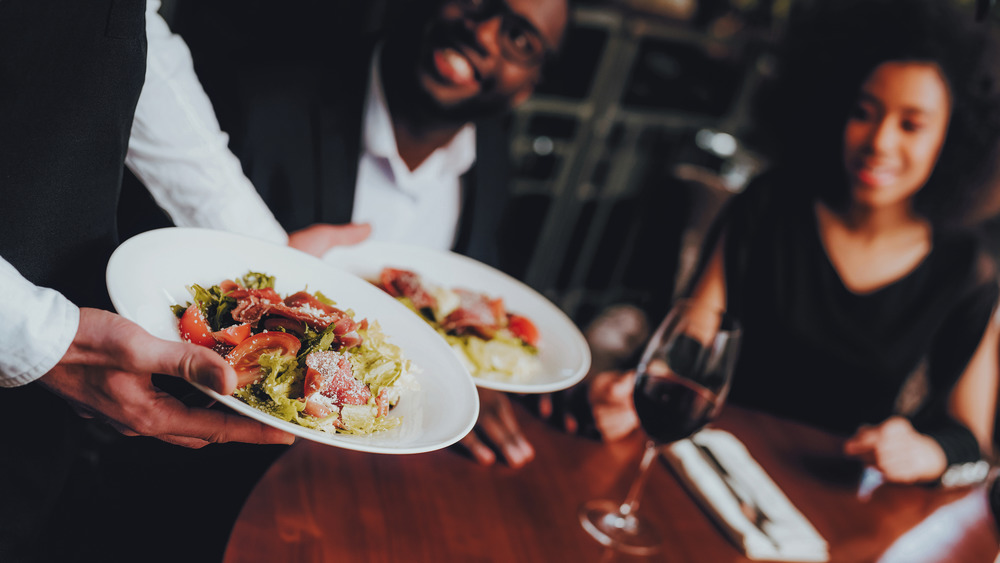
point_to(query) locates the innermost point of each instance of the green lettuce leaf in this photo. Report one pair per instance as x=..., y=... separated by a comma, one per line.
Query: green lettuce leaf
x=257, y=280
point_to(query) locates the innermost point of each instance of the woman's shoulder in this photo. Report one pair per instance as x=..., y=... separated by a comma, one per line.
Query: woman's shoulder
x=983, y=270
x=966, y=257
x=771, y=196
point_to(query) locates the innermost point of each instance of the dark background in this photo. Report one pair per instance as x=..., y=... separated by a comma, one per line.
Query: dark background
x=640, y=132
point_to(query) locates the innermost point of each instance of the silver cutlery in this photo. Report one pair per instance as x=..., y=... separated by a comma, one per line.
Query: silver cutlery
x=744, y=497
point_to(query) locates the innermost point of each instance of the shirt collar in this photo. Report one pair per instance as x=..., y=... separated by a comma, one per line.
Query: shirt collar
x=451, y=160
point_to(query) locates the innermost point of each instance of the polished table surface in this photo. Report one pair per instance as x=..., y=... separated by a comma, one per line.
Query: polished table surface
x=319, y=503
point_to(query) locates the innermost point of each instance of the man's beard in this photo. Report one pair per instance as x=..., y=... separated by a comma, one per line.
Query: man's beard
x=414, y=102
x=457, y=113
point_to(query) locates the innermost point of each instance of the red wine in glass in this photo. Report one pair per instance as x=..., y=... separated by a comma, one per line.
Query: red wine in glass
x=671, y=407
x=681, y=382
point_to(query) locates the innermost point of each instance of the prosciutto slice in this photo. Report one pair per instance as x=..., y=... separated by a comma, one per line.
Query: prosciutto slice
x=476, y=313
x=330, y=381
x=254, y=304
x=404, y=283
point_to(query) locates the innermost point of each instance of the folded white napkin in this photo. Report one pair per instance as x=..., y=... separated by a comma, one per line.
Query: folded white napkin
x=785, y=534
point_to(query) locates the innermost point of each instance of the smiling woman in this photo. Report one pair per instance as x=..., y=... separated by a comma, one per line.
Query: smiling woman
x=895, y=133
x=850, y=265
x=892, y=140
x=834, y=48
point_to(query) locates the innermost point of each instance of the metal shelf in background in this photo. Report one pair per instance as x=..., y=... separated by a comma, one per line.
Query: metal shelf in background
x=602, y=112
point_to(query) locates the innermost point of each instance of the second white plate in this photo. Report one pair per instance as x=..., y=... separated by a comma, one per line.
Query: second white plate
x=562, y=348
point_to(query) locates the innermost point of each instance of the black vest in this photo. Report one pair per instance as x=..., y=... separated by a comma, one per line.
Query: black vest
x=70, y=76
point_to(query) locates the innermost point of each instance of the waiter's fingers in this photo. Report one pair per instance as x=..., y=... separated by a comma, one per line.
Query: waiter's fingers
x=480, y=451
x=509, y=440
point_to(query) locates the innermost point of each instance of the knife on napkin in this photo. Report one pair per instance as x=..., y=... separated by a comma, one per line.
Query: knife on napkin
x=736, y=492
x=754, y=513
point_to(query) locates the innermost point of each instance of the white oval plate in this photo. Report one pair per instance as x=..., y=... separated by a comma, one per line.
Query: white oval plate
x=151, y=271
x=562, y=348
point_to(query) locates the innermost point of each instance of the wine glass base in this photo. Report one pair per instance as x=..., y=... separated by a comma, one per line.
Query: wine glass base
x=629, y=534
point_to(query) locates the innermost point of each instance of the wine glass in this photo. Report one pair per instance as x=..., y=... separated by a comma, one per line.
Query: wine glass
x=681, y=383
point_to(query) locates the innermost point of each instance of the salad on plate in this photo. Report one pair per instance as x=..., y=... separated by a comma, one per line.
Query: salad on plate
x=299, y=358
x=490, y=342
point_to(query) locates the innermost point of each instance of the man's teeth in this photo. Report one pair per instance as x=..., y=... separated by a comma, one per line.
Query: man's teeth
x=459, y=64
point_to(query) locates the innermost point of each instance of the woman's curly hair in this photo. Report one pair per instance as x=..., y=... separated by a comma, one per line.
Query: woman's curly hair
x=829, y=50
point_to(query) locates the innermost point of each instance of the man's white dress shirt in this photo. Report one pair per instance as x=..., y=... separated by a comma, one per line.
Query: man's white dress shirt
x=419, y=207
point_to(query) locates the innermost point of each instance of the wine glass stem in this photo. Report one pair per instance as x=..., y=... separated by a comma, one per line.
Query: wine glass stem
x=631, y=503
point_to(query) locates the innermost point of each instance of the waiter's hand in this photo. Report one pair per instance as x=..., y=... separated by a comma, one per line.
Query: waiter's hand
x=318, y=239
x=107, y=373
x=498, y=426
x=896, y=449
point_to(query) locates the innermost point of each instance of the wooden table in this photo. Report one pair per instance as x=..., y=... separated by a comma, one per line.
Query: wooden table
x=319, y=503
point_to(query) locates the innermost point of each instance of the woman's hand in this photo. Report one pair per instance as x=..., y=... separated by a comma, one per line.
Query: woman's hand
x=611, y=405
x=600, y=406
x=107, y=373
x=902, y=454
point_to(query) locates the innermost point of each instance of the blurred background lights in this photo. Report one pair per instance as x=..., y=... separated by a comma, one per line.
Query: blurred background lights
x=542, y=145
x=720, y=144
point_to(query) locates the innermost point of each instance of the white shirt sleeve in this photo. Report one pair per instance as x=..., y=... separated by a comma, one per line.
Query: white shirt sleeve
x=38, y=326
x=179, y=152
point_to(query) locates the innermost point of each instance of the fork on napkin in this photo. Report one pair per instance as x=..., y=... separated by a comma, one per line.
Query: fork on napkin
x=735, y=491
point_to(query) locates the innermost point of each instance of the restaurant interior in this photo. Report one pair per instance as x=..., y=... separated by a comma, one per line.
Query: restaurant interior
x=641, y=131
x=643, y=117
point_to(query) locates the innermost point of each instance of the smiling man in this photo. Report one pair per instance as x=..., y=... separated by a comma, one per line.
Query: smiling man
x=401, y=131
x=412, y=143
x=472, y=59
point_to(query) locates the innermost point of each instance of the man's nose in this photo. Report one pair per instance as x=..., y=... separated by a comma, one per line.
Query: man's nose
x=487, y=37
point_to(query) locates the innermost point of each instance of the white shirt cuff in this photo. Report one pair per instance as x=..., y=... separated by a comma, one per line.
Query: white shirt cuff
x=38, y=326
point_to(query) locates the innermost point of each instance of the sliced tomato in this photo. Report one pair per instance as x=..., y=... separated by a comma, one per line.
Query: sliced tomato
x=233, y=335
x=523, y=328
x=245, y=357
x=194, y=328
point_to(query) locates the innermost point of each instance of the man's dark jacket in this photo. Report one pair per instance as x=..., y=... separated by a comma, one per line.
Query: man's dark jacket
x=298, y=131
